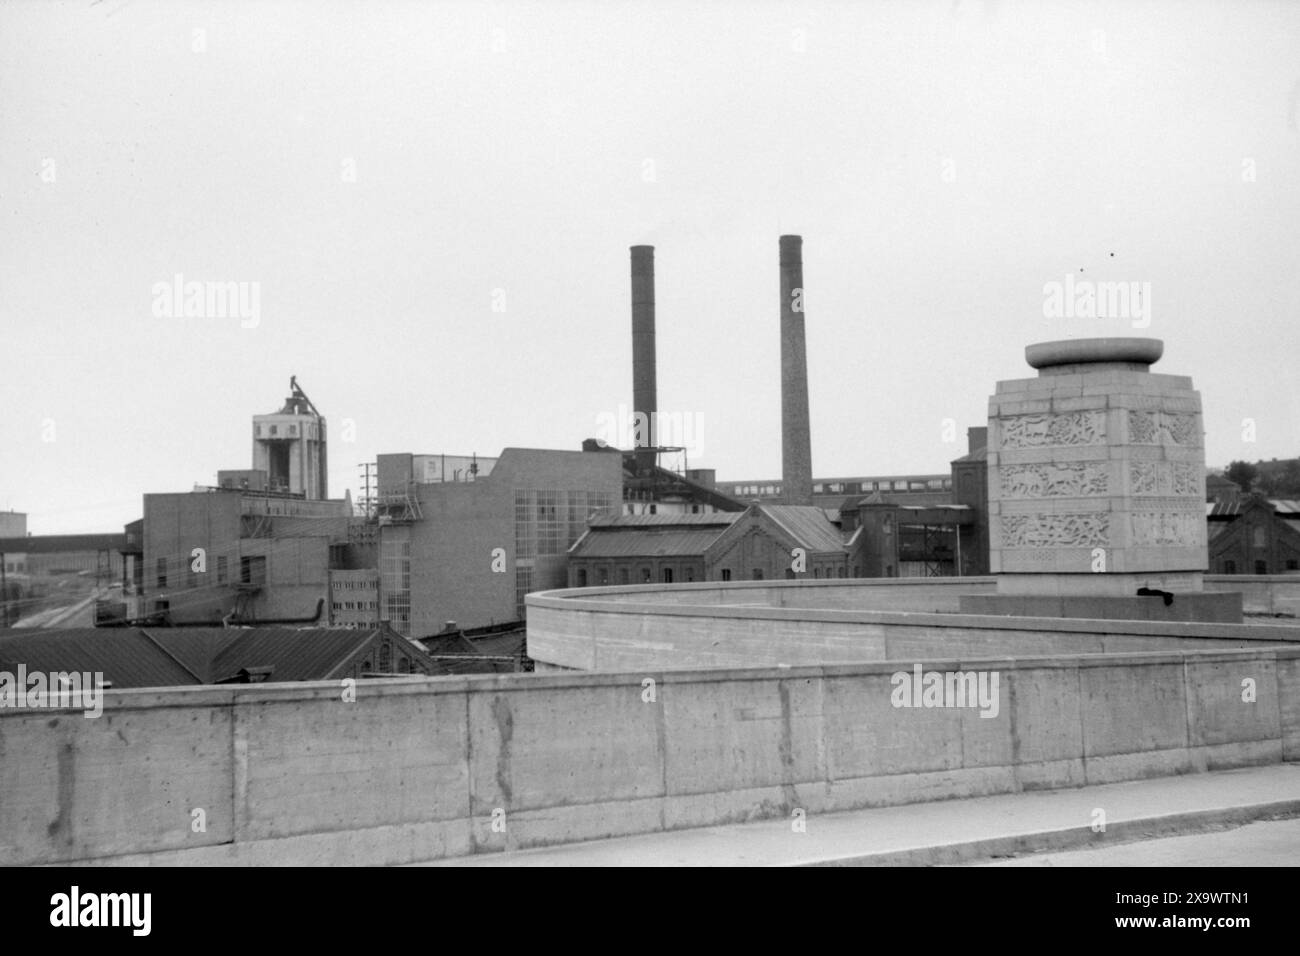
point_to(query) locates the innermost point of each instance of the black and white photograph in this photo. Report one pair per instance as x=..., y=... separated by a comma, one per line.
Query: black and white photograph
x=651, y=434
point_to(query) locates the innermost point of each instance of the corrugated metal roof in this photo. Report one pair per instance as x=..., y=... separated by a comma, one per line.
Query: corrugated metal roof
x=172, y=657
x=125, y=657
x=645, y=542
x=1229, y=506
x=662, y=520
x=808, y=525
x=306, y=654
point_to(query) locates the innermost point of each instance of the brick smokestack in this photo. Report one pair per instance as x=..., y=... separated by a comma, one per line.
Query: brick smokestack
x=796, y=438
x=644, y=395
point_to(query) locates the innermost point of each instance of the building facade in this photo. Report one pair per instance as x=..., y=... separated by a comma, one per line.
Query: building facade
x=469, y=550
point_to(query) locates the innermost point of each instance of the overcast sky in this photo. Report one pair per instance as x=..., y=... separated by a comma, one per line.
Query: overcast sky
x=436, y=201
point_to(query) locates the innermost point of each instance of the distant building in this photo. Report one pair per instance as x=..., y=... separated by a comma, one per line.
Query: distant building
x=761, y=545
x=95, y=556
x=645, y=548
x=1251, y=534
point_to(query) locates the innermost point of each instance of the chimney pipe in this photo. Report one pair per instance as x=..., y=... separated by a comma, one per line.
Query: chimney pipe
x=644, y=396
x=796, y=439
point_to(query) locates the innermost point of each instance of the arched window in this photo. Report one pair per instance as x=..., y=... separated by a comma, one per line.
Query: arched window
x=386, y=657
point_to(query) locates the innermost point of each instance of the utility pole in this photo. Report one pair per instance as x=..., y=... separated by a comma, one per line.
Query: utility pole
x=4, y=588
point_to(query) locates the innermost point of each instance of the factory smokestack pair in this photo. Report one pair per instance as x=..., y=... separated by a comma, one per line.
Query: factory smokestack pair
x=796, y=440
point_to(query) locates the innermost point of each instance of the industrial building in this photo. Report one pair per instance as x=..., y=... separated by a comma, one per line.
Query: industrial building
x=645, y=548
x=263, y=545
x=466, y=547
x=1251, y=534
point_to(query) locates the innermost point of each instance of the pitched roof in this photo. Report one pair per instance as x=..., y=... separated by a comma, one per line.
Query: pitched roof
x=808, y=525
x=634, y=542
x=174, y=657
x=125, y=656
x=662, y=520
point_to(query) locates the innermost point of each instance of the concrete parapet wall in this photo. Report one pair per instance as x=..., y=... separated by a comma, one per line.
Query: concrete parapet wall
x=1261, y=593
x=797, y=623
x=420, y=768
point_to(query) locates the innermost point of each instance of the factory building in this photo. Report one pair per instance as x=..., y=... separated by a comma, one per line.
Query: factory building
x=664, y=548
x=1251, y=534
x=262, y=546
x=241, y=556
x=774, y=542
x=467, y=547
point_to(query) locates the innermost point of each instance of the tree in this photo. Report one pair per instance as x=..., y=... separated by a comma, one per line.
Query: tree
x=1242, y=473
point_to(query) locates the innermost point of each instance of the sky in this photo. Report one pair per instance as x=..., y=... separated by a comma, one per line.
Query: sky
x=428, y=208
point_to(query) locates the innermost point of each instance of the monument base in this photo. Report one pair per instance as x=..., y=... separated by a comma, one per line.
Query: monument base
x=1206, y=607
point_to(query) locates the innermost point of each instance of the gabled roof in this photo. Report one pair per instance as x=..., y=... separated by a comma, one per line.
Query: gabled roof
x=662, y=520
x=807, y=524
x=125, y=656
x=647, y=542
x=177, y=657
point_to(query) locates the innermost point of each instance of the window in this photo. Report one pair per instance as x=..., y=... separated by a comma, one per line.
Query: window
x=162, y=572
x=1259, y=536
x=654, y=509
x=1229, y=567
x=818, y=488
x=645, y=575
x=385, y=656
x=789, y=574
x=273, y=429
x=1292, y=565
x=604, y=575
x=221, y=569
x=690, y=573
x=252, y=570
x=857, y=570
x=817, y=572
x=668, y=575
x=726, y=574
x=757, y=575
x=582, y=577
x=622, y=575
x=1261, y=567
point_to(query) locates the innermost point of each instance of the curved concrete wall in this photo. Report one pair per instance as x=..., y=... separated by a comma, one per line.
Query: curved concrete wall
x=422, y=768
x=821, y=622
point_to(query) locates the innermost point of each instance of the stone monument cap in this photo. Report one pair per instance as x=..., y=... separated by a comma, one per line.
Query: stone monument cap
x=1129, y=351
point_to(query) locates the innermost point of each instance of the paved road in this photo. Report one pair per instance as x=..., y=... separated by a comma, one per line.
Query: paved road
x=1257, y=844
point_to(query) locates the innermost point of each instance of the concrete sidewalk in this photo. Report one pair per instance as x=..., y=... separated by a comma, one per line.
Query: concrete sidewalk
x=951, y=831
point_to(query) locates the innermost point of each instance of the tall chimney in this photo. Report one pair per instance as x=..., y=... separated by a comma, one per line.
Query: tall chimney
x=796, y=440
x=644, y=396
